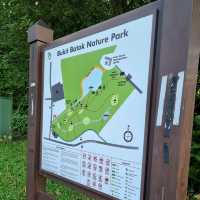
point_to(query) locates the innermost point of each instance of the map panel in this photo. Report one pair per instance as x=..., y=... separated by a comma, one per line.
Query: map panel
x=94, y=109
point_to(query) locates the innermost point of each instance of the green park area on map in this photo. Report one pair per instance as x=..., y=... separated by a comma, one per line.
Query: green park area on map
x=89, y=107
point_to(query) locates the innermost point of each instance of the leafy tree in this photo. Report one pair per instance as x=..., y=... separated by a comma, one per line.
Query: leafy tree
x=64, y=16
x=194, y=180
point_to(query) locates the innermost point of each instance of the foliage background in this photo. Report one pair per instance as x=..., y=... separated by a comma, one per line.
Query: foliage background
x=64, y=16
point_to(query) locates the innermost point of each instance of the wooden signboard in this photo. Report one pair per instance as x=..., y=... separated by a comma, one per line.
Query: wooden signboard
x=110, y=106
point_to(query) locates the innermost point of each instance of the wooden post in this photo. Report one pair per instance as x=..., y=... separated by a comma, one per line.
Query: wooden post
x=38, y=36
x=178, y=49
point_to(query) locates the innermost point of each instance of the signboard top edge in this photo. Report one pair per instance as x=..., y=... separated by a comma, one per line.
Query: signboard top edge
x=135, y=14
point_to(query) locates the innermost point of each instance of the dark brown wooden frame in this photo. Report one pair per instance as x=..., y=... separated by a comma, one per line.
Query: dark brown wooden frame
x=173, y=52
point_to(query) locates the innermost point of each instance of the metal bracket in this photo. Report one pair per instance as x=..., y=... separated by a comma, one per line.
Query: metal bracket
x=170, y=104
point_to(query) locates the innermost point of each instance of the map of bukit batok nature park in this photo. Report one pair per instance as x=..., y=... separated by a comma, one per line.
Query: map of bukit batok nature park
x=93, y=93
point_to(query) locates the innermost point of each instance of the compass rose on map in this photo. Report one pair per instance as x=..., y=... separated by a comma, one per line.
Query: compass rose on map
x=128, y=135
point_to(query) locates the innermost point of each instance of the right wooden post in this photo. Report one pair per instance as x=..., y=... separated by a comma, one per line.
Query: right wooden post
x=178, y=50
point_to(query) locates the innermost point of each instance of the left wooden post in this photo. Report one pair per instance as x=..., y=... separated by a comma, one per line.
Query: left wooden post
x=38, y=36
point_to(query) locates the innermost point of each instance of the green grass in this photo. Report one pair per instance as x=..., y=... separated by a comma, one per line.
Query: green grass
x=13, y=176
x=12, y=171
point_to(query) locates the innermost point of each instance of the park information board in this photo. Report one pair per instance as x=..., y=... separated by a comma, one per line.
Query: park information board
x=95, y=97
